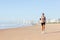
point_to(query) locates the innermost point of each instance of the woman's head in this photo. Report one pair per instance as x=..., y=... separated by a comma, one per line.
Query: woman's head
x=42, y=13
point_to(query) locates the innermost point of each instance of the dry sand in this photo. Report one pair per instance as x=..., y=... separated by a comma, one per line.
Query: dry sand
x=31, y=33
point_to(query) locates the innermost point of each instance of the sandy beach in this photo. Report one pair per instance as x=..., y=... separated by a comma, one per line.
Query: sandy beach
x=31, y=33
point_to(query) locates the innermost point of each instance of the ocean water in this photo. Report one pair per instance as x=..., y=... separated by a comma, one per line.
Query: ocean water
x=13, y=25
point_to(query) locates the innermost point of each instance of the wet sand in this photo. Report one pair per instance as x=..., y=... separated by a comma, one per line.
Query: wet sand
x=52, y=32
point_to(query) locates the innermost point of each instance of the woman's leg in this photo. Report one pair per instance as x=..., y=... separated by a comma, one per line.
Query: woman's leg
x=43, y=28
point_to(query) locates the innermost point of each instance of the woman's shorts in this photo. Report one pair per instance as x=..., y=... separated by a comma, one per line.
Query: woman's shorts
x=43, y=23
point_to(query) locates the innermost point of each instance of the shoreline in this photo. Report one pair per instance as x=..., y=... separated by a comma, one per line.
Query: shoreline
x=23, y=26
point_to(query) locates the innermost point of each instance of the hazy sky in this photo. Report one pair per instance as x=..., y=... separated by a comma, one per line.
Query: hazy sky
x=11, y=10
